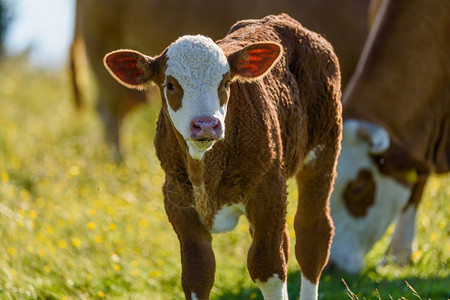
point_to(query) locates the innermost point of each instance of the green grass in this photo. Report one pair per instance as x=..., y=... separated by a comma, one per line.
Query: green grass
x=74, y=225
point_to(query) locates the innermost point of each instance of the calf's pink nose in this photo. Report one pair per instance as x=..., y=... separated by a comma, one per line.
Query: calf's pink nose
x=206, y=128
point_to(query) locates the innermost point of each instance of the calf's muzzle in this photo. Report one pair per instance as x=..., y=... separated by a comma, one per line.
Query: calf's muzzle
x=206, y=128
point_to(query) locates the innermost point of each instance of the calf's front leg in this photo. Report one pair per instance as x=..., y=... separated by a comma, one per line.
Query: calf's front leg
x=197, y=257
x=269, y=252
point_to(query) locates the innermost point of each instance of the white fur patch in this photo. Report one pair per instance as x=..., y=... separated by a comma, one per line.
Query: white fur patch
x=312, y=155
x=194, y=296
x=227, y=218
x=355, y=236
x=198, y=64
x=273, y=289
x=198, y=149
x=308, y=290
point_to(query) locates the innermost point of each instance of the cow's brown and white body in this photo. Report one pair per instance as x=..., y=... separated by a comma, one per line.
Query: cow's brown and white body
x=238, y=118
x=106, y=25
x=396, y=129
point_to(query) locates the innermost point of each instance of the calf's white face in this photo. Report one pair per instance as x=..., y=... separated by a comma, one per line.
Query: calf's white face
x=194, y=75
x=197, y=66
x=364, y=201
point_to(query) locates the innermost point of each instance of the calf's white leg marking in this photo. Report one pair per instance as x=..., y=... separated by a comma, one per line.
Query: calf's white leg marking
x=273, y=289
x=308, y=290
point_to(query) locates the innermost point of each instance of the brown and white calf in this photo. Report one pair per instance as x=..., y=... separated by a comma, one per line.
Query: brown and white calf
x=238, y=118
x=396, y=129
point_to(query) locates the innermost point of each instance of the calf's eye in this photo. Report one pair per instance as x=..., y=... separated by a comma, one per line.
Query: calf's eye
x=169, y=86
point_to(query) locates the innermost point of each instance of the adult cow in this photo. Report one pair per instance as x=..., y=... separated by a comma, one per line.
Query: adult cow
x=106, y=25
x=396, y=129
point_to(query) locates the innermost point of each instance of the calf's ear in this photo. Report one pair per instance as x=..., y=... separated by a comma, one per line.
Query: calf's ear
x=254, y=61
x=131, y=68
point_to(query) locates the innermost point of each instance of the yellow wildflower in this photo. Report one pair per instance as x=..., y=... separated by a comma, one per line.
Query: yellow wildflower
x=33, y=214
x=143, y=223
x=5, y=177
x=74, y=171
x=91, y=225
x=50, y=229
x=98, y=239
x=415, y=256
x=156, y=273
x=12, y=251
x=76, y=242
x=433, y=236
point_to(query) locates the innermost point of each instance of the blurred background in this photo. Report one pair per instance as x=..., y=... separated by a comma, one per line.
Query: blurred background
x=44, y=28
x=77, y=224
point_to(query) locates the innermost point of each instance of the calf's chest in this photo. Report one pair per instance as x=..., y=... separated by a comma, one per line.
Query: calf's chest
x=216, y=218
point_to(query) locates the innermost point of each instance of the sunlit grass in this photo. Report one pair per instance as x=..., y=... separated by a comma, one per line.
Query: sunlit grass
x=75, y=225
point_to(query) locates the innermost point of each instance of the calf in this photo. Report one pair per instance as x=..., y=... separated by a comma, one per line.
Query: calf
x=396, y=129
x=238, y=118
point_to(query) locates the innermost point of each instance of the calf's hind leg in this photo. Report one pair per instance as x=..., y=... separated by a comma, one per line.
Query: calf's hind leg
x=313, y=224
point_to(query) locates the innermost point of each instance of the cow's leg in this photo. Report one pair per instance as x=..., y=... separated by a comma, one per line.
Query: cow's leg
x=114, y=103
x=114, y=100
x=402, y=243
x=197, y=257
x=268, y=254
x=313, y=225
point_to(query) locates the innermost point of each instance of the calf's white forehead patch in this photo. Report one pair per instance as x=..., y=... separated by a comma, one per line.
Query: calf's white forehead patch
x=196, y=61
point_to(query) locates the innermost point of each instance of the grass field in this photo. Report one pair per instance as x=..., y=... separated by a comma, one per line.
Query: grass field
x=74, y=225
